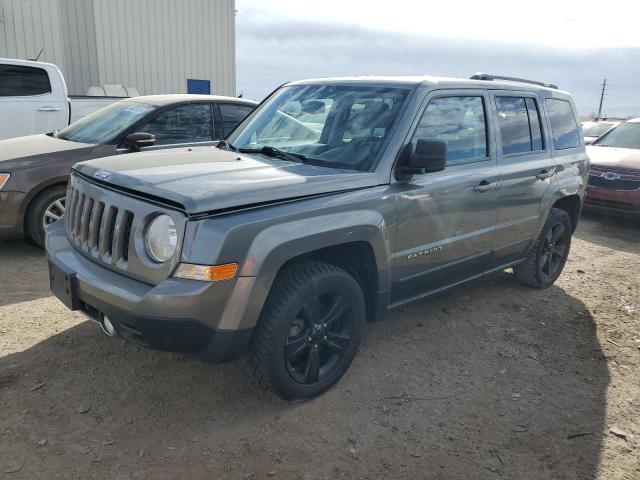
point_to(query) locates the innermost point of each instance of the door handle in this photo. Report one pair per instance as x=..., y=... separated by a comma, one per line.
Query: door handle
x=485, y=186
x=544, y=174
x=49, y=109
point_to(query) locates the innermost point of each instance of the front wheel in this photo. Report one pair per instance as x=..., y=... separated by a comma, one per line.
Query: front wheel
x=546, y=259
x=309, y=330
x=46, y=208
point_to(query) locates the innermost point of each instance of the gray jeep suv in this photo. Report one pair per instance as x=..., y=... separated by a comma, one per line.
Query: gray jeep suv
x=335, y=201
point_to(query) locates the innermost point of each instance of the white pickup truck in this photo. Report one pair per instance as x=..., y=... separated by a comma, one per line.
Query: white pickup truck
x=33, y=99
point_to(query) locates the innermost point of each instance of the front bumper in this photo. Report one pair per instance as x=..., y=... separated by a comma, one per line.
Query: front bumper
x=615, y=202
x=12, y=209
x=176, y=315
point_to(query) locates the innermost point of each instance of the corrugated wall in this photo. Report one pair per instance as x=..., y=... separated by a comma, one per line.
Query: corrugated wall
x=28, y=25
x=156, y=45
x=79, y=40
x=153, y=45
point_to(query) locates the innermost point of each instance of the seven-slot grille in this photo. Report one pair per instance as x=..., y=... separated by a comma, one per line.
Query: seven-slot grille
x=99, y=229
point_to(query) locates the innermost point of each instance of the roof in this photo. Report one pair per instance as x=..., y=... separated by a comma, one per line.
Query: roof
x=416, y=80
x=161, y=100
x=26, y=63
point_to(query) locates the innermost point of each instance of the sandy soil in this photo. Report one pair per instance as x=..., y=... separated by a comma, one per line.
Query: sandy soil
x=491, y=380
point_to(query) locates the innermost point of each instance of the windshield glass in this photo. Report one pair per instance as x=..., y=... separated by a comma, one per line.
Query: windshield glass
x=104, y=125
x=596, y=129
x=625, y=135
x=333, y=125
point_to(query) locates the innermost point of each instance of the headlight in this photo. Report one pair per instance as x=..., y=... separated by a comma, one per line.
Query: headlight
x=161, y=239
x=4, y=177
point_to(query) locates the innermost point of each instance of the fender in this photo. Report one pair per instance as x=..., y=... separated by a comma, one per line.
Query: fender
x=566, y=186
x=277, y=244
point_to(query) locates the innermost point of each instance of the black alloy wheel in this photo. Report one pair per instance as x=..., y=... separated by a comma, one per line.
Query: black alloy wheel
x=319, y=337
x=546, y=258
x=309, y=330
x=554, y=250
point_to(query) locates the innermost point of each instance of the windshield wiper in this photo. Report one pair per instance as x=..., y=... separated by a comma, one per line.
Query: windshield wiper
x=276, y=153
x=224, y=145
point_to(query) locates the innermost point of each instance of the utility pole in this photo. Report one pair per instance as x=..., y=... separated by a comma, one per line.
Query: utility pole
x=604, y=87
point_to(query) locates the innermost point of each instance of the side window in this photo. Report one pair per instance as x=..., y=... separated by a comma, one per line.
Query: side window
x=563, y=124
x=185, y=124
x=232, y=115
x=19, y=81
x=459, y=121
x=514, y=125
x=519, y=125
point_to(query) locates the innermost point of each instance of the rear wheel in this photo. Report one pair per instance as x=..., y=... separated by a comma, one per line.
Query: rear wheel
x=46, y=208
x=309, y=330
x=549, y=254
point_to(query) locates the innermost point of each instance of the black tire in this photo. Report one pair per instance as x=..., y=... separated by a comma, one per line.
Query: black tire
x=35, y=218
x=286, y=346
x=547, y=257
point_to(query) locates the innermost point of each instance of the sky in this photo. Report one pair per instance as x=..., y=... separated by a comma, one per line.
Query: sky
x=575, y=45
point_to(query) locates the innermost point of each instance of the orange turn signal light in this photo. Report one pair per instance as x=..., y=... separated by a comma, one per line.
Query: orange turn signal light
x=206, y=273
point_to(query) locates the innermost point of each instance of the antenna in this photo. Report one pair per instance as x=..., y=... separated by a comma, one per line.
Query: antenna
x=38, y=57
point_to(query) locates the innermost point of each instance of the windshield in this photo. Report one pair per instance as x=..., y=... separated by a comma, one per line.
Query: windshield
x=625, y=135
x=596, y=129
x=104, y=125
x=331, y=125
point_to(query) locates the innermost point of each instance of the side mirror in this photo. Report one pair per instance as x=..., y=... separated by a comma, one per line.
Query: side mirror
x=425, y=156
x=140, y=139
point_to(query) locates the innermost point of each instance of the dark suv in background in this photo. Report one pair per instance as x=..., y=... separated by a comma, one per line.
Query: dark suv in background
x=333, y=202
x=34, y=169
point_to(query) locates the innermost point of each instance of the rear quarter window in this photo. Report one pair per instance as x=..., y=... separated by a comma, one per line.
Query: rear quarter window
x=20, y=81
x=564, y=127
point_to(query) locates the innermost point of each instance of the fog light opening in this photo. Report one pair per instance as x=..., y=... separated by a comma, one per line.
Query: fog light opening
x=108, y=327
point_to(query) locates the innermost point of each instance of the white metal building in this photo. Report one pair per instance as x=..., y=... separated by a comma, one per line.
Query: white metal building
x=157, y=46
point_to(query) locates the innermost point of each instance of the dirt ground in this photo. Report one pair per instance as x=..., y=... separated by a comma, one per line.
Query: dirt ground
x=491, y=380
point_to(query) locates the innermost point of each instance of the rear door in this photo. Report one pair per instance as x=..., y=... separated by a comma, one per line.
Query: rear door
x=446, y=219
x=28, y=102
x=528, y=168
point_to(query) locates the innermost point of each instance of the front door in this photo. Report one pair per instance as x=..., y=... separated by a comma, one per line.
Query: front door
x=181, y=125
x=447, y=219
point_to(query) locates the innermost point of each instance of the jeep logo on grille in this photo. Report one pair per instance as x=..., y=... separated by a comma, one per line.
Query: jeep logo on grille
x=611, y=176
x=102, y=174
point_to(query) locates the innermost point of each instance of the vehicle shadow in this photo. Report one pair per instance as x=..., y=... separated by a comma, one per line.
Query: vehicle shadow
x=23, y=272
x=492, y=380
x=619, y=233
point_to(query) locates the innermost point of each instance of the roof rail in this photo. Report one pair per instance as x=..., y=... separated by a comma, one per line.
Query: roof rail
x=486, y=76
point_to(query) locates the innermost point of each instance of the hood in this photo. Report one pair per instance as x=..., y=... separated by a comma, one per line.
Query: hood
x=206, y=179
x=14, y=151
x=613, y=157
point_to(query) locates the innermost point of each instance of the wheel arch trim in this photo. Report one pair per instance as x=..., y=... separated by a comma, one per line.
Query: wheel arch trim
x=278, y=244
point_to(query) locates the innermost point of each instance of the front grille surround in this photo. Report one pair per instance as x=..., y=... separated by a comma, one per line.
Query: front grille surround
x=108, y=227
x=628, y=180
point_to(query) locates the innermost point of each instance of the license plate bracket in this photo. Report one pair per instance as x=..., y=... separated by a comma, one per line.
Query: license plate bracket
x=63, y=285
